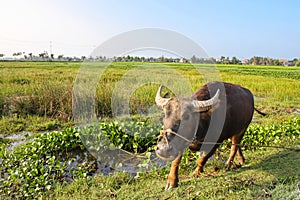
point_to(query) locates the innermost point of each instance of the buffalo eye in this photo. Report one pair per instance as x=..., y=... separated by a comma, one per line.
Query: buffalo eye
x=167, y=113
x=185, y=116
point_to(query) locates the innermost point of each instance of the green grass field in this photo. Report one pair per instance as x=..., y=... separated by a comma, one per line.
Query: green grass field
x=37, y=97
x=44, y=90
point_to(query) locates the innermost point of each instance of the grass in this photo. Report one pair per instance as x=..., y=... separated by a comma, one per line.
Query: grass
x=44, y=89
x=269, y=173
x=37, y=96
x=37, y=168
x=15, y=124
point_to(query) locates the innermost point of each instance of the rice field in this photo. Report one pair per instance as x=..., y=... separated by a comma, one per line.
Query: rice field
x=44, y=89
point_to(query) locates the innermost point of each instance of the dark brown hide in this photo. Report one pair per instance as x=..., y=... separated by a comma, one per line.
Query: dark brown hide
x=228, y=118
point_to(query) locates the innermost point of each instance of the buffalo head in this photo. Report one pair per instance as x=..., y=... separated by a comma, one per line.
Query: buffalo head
x=181, y=119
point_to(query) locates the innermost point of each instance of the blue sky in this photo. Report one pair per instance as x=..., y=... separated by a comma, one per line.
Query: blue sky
x=230, y=28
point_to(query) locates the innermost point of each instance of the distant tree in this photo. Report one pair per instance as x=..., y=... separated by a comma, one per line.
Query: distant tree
x=42, y=55
x=17, y=54
x=254, y=60
x=161, y=59
x=295, y=61
x=226, y=61
x=99, y=58
x=193, y=59
x=266, y=61
x=118, y=59
x=60, y=57
x=276, y=62
x=235, y=61
x=46, y=54
x=30, y=56
x=212, y=60
x=128, y=58
x=222, y=59
x=1, y=55
x=137, y=59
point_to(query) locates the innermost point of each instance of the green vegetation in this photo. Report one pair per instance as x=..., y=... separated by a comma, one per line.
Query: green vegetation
x=37, y=97
x=265, y=177
x=37, y=167
x=135, y=137
x=34, y=167
x=45, y=89
x=15, y=124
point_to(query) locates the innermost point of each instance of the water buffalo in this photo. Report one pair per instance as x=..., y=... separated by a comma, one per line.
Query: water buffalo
x=202, y=122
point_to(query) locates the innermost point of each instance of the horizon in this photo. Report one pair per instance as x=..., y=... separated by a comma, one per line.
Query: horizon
x=75, y=28
x=136, y=58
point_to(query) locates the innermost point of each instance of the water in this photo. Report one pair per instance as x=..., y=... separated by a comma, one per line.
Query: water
x=106, y=162
x=17, y=139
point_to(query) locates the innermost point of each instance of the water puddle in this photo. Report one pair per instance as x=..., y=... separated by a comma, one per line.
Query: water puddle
x=105, y=162
x=118, y=161
x=17, y=139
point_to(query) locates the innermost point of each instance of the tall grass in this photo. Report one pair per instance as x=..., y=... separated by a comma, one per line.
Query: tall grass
x=45, y=89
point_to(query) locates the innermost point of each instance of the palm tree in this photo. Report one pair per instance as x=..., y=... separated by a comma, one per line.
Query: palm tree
x=30, y=56
x=60, y=57
x=42, y=55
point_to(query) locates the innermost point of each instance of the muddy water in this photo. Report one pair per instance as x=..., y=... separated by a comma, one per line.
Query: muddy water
x=17, y=139
x=106, y=162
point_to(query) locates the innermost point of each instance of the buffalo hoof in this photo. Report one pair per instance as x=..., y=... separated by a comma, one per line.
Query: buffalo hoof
x=232, y=166
x=198, y=171
x=168, y=187
x=227, y=167
x=241, y=162
x=236, y=166
x=171, y=185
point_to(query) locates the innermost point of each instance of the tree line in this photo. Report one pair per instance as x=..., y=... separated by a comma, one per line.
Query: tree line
x=255, y=60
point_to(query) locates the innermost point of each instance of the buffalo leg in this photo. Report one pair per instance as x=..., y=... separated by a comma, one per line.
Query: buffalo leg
x=173, y=175
x=241, y=157
x=202, y=160
x=235, y=147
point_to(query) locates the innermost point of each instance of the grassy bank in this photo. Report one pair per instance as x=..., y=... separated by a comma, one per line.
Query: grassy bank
x=268, y=174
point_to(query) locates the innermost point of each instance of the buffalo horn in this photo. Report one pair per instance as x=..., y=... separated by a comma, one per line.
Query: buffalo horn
x=160, y=101
x=206, y=104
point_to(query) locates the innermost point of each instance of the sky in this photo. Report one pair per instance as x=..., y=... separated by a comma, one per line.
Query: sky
x=243, y=29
